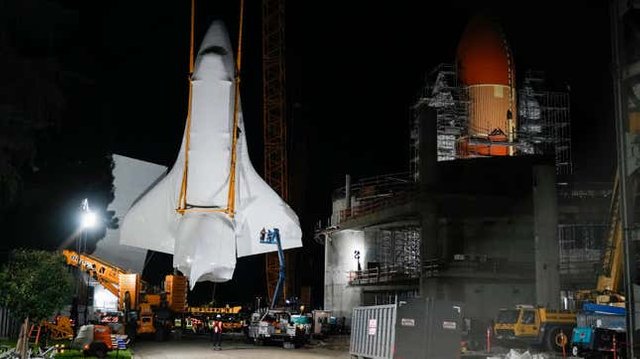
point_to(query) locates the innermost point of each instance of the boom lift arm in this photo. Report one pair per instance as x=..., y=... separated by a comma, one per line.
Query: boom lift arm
x=273, y=237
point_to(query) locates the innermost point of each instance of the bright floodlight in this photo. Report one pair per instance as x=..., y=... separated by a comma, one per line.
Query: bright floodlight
x=89, y=219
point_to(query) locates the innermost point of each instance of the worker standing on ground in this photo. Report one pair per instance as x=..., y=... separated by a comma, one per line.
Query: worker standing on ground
x=216, y=331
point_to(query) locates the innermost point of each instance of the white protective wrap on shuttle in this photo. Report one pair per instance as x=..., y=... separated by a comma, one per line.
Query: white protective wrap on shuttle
x=205, y=245
x=131, y=178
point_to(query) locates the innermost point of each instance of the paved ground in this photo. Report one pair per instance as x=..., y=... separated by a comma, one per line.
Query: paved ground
x=193, y=348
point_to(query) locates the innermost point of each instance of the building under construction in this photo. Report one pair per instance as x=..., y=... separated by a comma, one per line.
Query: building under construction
x=487, y=214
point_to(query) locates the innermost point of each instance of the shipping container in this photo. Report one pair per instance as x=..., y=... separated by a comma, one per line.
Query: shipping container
x=428, y=328
x=416, y=328
x=373, y=331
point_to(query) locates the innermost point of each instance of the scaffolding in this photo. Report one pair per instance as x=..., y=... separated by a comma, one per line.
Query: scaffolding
x=449, y=100
x=395, y=257
x=399, y=248
x=580, y=253
x=544, y=123
x=543, y=119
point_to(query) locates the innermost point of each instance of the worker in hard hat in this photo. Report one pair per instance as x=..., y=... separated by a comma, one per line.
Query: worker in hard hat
x=216, y=332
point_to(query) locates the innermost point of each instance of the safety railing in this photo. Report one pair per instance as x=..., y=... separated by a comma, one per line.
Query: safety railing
x=373, y=206
x=437, y=267
x=587, y=190
x=372, y=194
x=393, y=273
x=578, y=268
x=491, y=265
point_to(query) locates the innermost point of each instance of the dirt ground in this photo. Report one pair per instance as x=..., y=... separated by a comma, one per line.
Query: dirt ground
x=336, y=348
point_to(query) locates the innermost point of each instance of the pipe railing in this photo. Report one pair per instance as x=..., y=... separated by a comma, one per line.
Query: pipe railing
x=361, y=208
x=434, y=267
x=393, y=273
x=371, y=194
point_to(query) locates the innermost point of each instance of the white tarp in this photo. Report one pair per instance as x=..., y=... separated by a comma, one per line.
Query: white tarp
x=205, y=245
x=515, y=354
x=131, y=178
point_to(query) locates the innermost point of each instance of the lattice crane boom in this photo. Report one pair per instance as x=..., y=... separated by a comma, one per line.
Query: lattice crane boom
x=274, y=117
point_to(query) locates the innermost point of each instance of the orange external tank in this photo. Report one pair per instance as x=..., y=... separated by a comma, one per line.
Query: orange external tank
x=485, y=66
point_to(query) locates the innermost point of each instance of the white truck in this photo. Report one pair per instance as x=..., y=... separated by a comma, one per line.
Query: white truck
x=275, y=325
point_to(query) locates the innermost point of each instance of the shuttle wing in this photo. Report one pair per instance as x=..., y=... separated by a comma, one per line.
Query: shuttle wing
x=131, y=178
x=205, y=244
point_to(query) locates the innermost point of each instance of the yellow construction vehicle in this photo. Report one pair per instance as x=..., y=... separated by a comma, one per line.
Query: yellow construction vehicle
x=215, y=310
x=543, y=326
x=232, y=319
x=602, y=310
x=607, y=289
x=537, y=326
x=149, y=311
x=60, y=328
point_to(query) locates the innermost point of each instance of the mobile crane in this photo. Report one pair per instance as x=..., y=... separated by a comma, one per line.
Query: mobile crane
x=607, y=287
x=601, y=320
x=146, y=310
x=536, y=326
x=554, y=328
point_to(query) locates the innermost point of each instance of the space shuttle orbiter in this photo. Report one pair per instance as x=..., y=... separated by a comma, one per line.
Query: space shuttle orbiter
x=203, y=239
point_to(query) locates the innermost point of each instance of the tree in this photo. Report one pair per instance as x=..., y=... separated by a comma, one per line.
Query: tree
x=34, y=284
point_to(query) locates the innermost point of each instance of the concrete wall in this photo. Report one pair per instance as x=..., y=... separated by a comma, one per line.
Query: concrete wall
x=506, y=239
x=483, y=298
x=339, y=297
x=546, y=237
x=487, y=298
x=503, y=277
x=503, y=211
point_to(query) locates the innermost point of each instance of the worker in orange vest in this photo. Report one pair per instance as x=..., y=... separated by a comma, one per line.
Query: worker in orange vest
x=216, y=331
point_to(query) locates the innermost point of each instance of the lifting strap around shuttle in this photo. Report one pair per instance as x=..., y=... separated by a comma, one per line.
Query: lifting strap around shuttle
x=183, y=206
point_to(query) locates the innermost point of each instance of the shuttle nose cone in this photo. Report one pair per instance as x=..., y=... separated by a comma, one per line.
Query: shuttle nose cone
x=216, y=36
x=215, y=56
x=483, y=54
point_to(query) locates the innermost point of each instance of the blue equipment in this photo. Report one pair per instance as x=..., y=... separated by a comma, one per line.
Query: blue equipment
x=273, y=237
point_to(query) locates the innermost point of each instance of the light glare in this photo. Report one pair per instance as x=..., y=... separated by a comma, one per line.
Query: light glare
x=89, y=219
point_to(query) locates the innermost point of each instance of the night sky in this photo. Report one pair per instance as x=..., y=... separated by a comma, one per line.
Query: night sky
x=117, y=83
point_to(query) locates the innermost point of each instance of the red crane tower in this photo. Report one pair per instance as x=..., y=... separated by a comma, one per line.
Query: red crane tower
x=275, y=126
